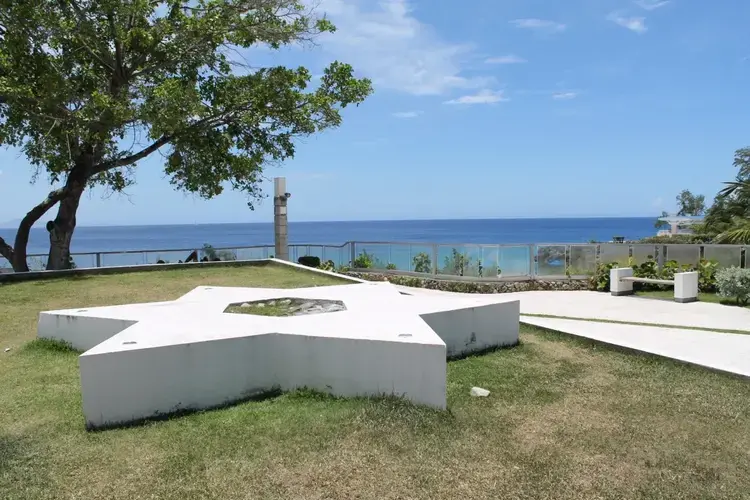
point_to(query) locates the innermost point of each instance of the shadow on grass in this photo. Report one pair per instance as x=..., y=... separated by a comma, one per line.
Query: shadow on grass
x=180, y=413
x=49, y=345
x=482, y=352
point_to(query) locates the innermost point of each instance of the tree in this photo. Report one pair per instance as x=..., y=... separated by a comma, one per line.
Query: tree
x=689, y=204
x=88, y=88
x=660, y=224
x=727, y=219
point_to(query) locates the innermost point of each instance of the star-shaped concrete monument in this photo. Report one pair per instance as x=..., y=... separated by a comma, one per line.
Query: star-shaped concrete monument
x=147, y=360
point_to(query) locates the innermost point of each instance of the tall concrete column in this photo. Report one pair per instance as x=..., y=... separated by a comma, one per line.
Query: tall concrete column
x=280, y=228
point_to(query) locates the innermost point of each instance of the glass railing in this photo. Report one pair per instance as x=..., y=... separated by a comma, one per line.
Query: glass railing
x=553, y=260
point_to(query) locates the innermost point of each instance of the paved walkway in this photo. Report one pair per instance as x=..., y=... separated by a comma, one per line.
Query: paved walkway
x=597, y=305
x=721, y=351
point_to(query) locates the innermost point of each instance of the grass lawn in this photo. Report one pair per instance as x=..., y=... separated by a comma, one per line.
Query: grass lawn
x=566, y=419
x=702, y=297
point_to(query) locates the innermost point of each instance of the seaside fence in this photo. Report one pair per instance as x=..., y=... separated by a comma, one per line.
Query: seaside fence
x=472, y=261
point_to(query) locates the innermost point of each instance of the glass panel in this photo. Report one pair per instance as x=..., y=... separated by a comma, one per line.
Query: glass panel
x=84, y=260
x=550, y=260
x=490, y=261
x=420, y=259
x=726, y=256
x=515, y=260
x=371, y=255
x=643, y=253
x=331, y=253
x=458, y=260
x=255, y=253
x=684, y=254
x=5, y=266
x=582, y=260
x=613, y=252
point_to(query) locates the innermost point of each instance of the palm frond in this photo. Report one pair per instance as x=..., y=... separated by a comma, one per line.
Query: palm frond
x=738, y=233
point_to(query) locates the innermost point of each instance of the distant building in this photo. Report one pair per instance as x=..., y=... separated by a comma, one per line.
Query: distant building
x=679, y=224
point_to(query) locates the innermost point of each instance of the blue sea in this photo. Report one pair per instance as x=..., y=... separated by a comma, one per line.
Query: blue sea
x=488, y=231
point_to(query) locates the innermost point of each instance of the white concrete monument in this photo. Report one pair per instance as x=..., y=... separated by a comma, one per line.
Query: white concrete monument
x=146, y=360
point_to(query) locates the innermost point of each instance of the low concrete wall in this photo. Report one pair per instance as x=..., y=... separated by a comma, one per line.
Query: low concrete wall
x=464, y=286
x=94, y=271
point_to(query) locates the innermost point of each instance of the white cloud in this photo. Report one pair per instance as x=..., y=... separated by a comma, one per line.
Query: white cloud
x=542, y=25
x=564, y=96
x=509, y=59
x=485, y=96
x=407, y=114
x=651, y=4
x=636, y=24
x=385, y=42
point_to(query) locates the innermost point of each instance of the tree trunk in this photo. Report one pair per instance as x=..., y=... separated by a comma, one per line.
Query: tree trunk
x=61, y=229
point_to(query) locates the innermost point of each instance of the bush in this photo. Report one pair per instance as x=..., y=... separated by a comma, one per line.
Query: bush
x=734, y=283
x=309, y=261
x=649, y=269
x=422, y=263
x=363, y=261
x=328, y=265
x=600, y=279
x=677, y=239
x=391, y=266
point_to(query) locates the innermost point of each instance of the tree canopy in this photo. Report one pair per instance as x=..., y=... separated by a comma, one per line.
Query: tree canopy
x=690, y=204
x=88, y=88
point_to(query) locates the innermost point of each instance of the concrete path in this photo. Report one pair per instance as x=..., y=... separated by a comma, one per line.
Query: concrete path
x=726, y=352
x=720, y=351
x=597, y=305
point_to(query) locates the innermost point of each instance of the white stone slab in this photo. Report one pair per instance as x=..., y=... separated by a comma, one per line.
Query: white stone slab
x=145, y=360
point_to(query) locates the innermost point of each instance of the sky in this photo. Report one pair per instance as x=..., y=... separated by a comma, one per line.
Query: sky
x=506, y=108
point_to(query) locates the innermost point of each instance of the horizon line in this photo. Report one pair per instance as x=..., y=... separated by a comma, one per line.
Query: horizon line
x=566, y=217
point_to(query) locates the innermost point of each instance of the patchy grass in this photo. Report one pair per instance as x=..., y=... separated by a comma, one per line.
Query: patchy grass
x=267, y=310
x=566, y=419
x=702, y=297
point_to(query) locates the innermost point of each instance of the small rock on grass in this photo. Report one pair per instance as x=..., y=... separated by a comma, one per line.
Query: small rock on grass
x=7, y=349
x=479, y=392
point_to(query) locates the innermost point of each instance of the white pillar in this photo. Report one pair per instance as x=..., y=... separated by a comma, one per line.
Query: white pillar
x=616, y=285
x=686, y=287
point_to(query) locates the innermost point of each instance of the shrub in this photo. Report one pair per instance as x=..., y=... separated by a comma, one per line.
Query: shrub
x=309, y=261
x=363, y=261
x=210, y=254
x=422, y=263
x=734, y=283
x=328, y=265
x=707, y=275
x=391, y=266
x=600, y=279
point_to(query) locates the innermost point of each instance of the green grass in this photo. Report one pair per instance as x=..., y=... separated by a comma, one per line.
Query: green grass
x=275, y=310
x=702, y=297
x=566, y=419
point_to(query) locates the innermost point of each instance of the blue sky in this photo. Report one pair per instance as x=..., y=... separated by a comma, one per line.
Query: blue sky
x=506, y=108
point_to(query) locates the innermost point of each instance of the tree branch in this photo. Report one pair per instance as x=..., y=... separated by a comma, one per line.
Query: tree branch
x=129, y=160
x=6, y=251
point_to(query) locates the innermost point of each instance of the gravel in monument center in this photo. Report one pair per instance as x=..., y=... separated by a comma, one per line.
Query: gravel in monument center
x=286, y=307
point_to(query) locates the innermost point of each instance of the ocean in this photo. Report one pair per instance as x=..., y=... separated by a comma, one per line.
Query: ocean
x=488, y=231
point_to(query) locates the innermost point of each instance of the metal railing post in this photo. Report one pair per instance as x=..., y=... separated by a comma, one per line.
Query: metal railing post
x=532, y=261
x=98, y=259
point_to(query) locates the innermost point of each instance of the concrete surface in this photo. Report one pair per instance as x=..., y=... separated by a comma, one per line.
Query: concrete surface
x=146, y=360
x=726, y=352
x=598, y=305
x=720, y=351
